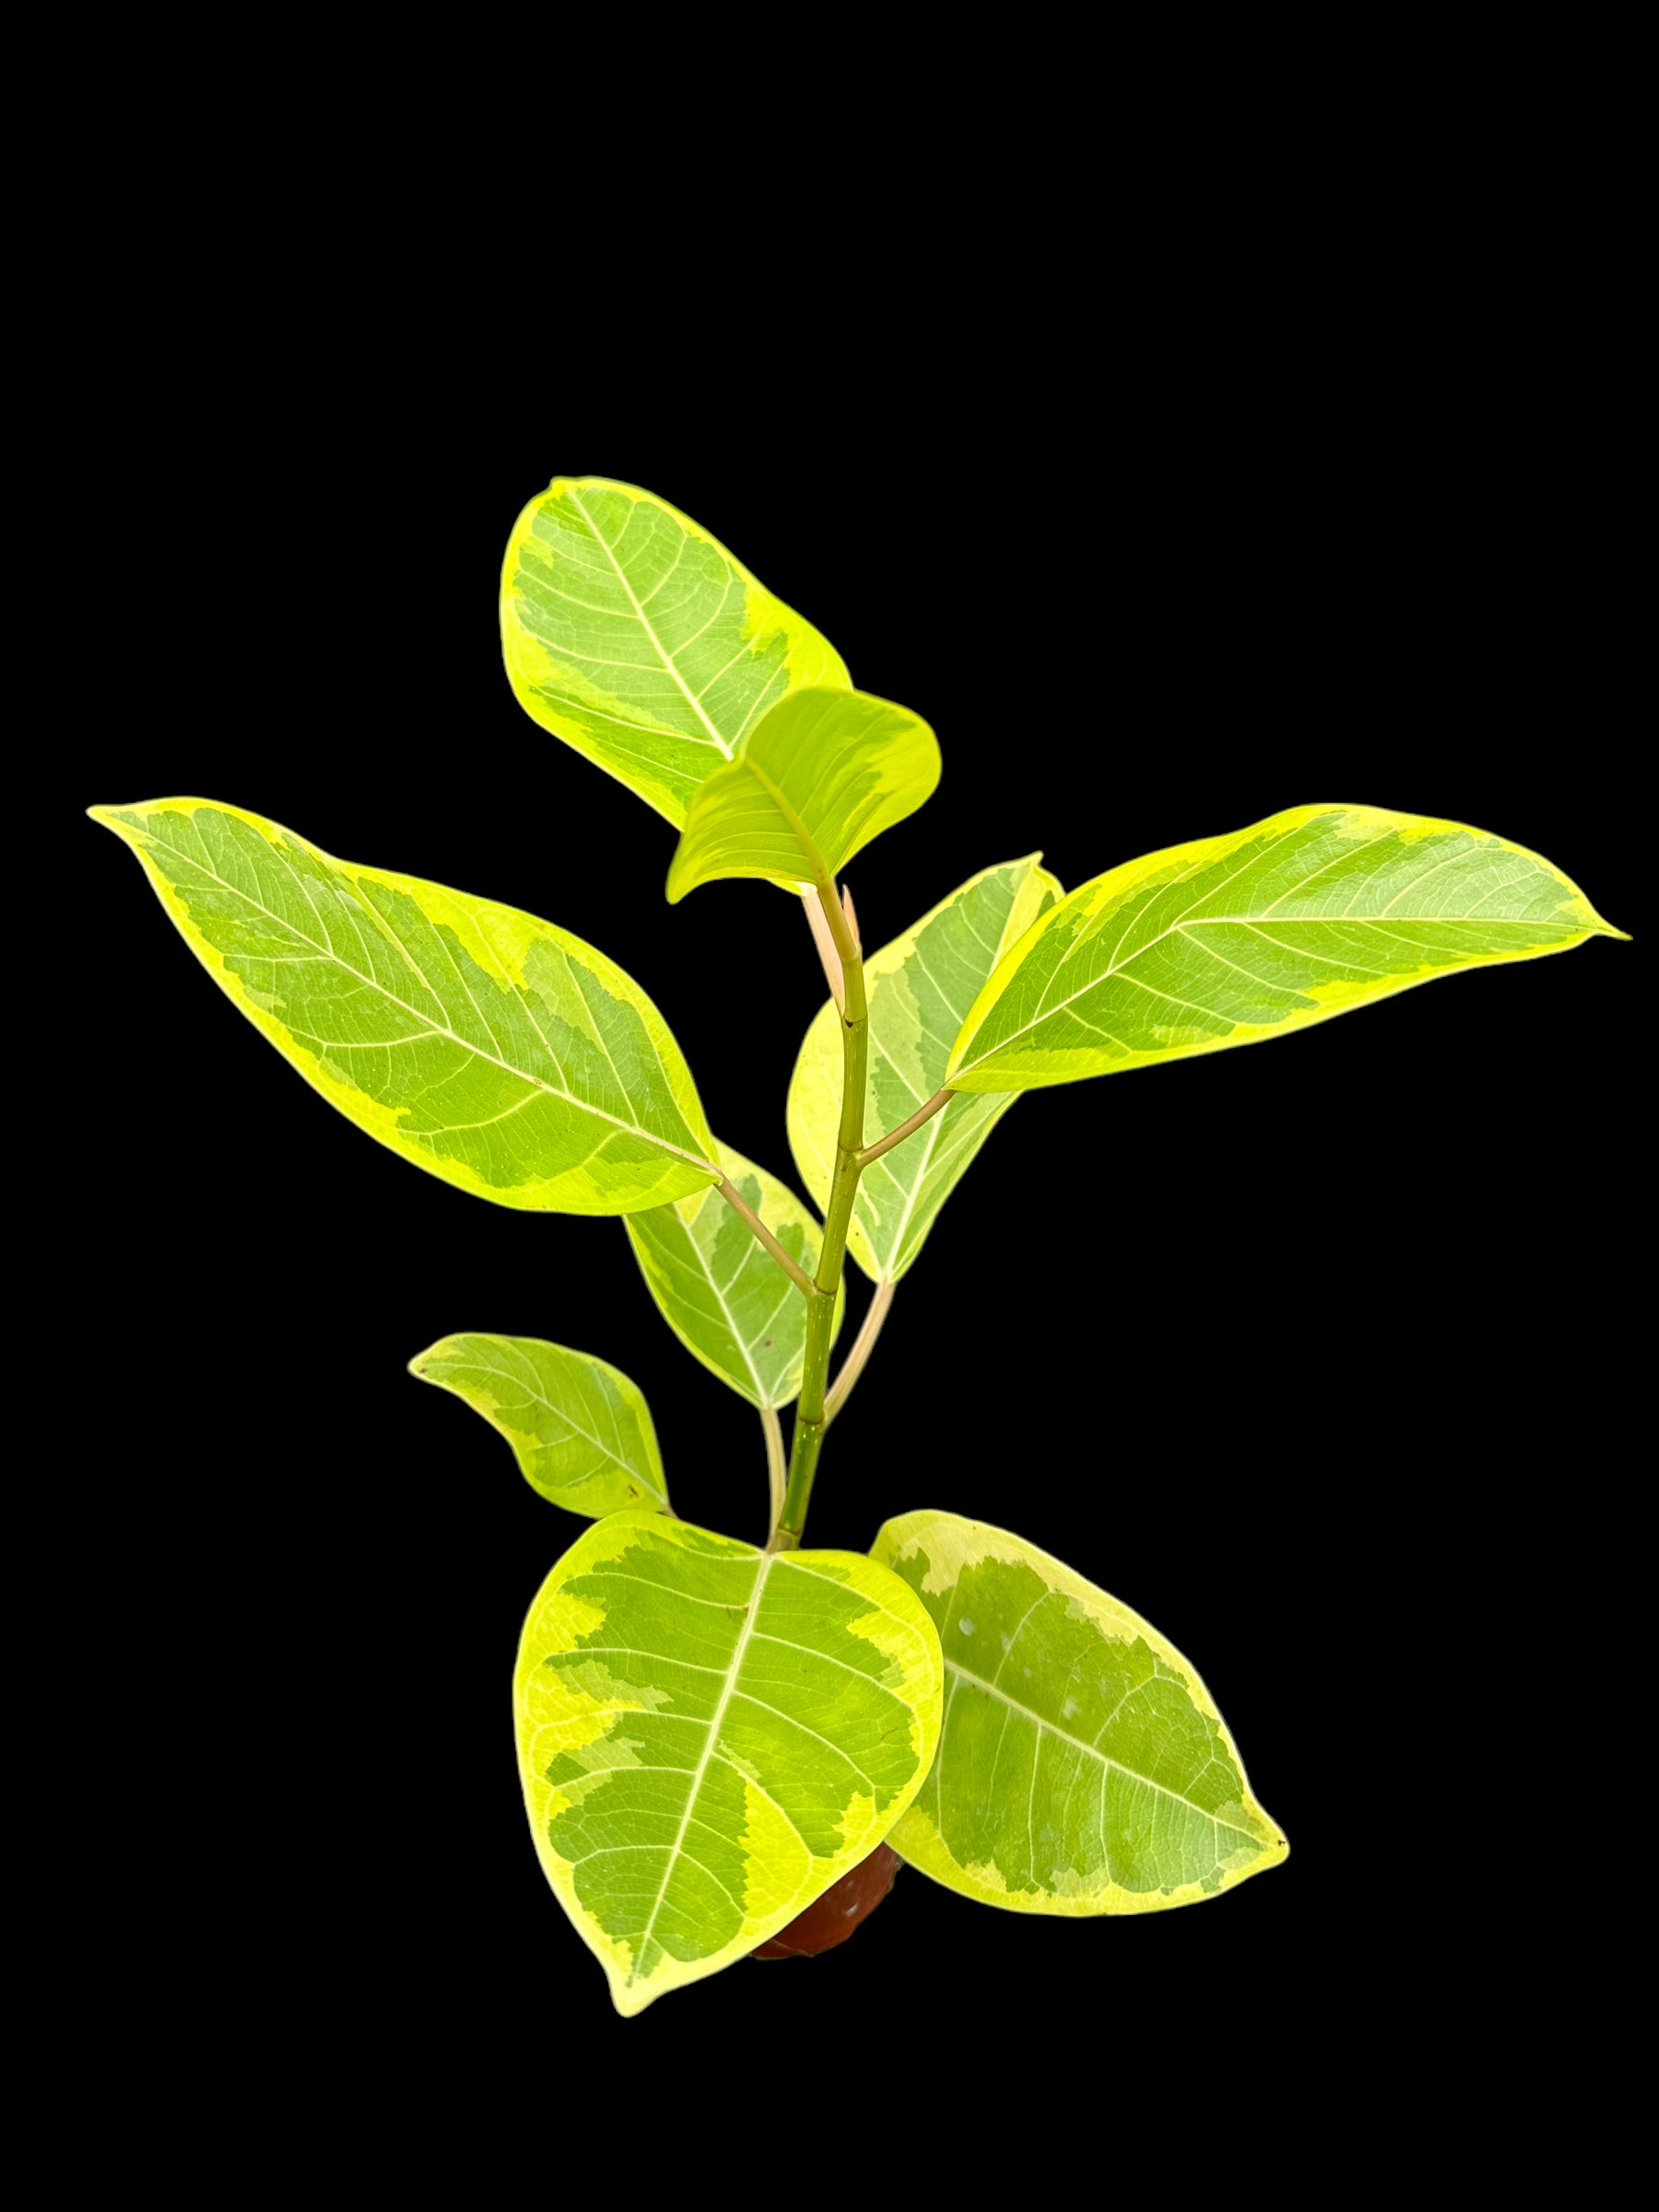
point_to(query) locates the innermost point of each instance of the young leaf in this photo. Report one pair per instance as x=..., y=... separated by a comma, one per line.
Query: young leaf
x=1236, y=939
x=727, y=1300
x=822, y=775
x=919, y=989
x=579, y=1430
x=488, y=1047
x=634, y=636
x=1082, y=1767
x=710, y=1735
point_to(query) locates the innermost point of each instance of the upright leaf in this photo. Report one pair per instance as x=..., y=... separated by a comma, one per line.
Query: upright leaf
x=1082, y=1767
x=725, y=1298
x=637, y=638
x=1236, y=939
x=579, y=1430
x=489, y=1048
x=822, y=774
x=709, y=1736
x=919, y=987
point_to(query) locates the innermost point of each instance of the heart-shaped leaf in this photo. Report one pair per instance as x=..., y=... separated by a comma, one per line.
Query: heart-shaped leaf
x=724, y=1297
x=919, y=988
x=1237, y=938
x=710, y=1735
x=1082, y=1767
x=637, y=638
x=488, y=1047
x=579, y=1430
x=818, y=777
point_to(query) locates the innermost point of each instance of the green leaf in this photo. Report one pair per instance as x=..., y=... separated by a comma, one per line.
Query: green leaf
x=824, y=773
x=919, y=988
x=489, y=1048
x=709, y=1736
x=1082, y=1768
x=634, y=636
x=724, y=1297
x=579, y=1430
x=1236, y=939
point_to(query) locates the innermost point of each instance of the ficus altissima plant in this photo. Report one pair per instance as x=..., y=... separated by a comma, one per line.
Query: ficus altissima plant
x=713, y=1735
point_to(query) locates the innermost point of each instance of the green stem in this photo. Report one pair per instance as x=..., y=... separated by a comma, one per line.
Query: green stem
x=809, y=1422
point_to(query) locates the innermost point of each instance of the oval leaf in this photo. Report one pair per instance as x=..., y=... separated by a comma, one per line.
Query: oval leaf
x=709, y=1736
x=1236, y=939
x=634, y=636
x=824, y=773
x=488, y=1047
x=724, y=1297
x=579, y=1430
x=920, y=988
x=1082, y=1767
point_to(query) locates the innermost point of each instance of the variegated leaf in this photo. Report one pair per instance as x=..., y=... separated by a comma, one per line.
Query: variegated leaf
x=710, y=1735
x=489, y=1048
x=636, y=636
x=1082, y=1766
x=579, y=1430
x=920, y=988
x=1237, y=938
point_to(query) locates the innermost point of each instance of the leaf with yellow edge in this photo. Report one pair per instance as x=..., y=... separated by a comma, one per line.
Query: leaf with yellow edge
x=636, y=636
x=580, y=1429
x=822, y=775
x=1082, y=1768
x=489, y=1048
x=1251, y=935
x=722, y=1293
x=710, y=1735
x=919, y=989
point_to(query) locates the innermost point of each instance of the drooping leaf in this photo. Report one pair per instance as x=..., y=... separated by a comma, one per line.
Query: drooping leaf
x=919, y=989
x=709, y=1736
x=579, y=1430
x=492, y=1049
x=1082, y=1766
x=634, y=636
x=1236, y=939
x=823, y=774
x=722, y=1293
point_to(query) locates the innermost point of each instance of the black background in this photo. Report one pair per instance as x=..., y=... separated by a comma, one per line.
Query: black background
x=1313, y=1353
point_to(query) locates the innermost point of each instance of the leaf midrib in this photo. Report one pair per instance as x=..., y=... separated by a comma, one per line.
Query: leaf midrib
x=1105, y=1759
x=420, y=1013
x=752, y=1613
x=645, y=623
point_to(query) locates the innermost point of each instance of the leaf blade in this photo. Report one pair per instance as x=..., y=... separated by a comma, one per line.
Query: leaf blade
x=820, y=776
x=1165, y=1817
x=919, y=989
x=483, y=1044
x=580, y=1429
x=724, y=1297
x=709, y=1736
x=1235, y=939
x=635, y=637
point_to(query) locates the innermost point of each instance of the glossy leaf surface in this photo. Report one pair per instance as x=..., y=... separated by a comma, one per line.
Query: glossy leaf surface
x=822, y=775
x=722, y=1293
x=636, y=636
x=1242, y=937
x=709, y=1737
x=1082, y=1767
x=920, y=988
x=579, y=1430
x=491, y=1049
